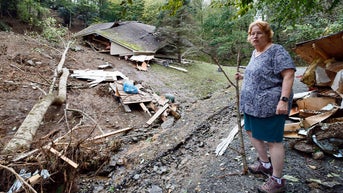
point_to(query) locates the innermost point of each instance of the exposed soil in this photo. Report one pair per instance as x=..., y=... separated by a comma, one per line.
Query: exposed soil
x=175, y=157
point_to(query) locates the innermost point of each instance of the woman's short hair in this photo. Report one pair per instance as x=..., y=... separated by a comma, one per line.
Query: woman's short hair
x=264, y=26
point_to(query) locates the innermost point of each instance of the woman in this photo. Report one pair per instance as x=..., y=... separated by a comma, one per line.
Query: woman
x=266, y=98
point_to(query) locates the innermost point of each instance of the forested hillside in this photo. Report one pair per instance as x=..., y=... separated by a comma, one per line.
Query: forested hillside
x=198, y=29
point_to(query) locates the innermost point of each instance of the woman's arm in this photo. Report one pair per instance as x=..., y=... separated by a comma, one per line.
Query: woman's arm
x=287, y=84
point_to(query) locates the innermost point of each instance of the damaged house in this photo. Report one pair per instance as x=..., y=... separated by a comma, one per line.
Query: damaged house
x=133, y=41
x=130, y=39
x=319, y=111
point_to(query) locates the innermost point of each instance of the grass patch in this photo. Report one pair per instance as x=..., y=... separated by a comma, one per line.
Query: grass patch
x=202, y=79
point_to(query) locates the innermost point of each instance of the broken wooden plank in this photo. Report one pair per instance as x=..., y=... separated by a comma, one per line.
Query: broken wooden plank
x=294, y=111
x=97, y=76
x=110, y=133
x=142, y=67
x=178, y=68
x=34, y=179
x=126, y=107
x=315, y=103
x=292, y=127
x=59, y=154
x=127, y=98
x=309, y=121
x=157, y=114
x=293, y=136
x=172, y=111
x=145, y=109
x=225, y=142
x=116, y=94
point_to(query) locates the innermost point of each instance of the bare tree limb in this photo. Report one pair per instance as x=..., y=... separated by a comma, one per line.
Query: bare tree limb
x=60, y=65
x=76, y=110
x=18, y=177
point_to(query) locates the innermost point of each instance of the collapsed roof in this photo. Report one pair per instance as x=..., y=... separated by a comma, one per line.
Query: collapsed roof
x=125, y=38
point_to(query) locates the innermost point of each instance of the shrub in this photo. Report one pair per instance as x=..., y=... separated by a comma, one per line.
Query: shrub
x=51, y=31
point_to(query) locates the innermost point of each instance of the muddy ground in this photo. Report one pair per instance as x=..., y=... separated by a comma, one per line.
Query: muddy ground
x=174, y=156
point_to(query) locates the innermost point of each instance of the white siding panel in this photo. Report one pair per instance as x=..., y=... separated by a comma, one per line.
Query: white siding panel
x=119, y=50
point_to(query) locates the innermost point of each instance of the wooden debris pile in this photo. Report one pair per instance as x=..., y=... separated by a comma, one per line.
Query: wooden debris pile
x=154, y=105
x=317, y=115
x=62, y=156
x=97, y=76
x=313, y=110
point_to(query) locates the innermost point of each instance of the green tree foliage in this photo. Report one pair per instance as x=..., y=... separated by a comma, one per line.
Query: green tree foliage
x=189, y=25
x=110, y=11
x=87, y=10
x=133, y=11
x=151, y=11
x=173, y=5
x=224, y=37
x=31, y=11
x=293, y=21
x=52, y=31
x=66, y=10
x=176, y=28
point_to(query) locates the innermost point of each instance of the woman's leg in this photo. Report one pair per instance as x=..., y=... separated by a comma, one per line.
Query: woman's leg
x=277, y=154
x=260, y=147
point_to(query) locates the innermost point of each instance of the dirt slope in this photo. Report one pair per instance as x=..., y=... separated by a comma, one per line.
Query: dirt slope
x=171, y=158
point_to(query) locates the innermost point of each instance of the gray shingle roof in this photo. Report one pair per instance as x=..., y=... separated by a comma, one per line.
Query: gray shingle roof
x=130, y=34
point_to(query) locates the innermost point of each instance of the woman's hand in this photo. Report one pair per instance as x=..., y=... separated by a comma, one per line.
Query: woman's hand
x=239, y=76
x=282, y=108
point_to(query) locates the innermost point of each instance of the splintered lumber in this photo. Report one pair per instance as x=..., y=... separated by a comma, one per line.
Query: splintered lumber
x=178, y=68
x=312, y=120
x=145, y=109
x=97, y=76
x=225, y=142
x=175, y=114
x=292, y=127
x=110, y=133
x=126, y=107
x=34, y=179
x=59, y=154
x=127, y=98
x=143, y=67
x=157, y=114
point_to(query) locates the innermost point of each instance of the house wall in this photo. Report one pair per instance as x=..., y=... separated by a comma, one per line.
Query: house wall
x=119, y=50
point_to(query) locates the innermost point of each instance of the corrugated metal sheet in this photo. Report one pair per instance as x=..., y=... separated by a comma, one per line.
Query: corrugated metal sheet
x=324, y=48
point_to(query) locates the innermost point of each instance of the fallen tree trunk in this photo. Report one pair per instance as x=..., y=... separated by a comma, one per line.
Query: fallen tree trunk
x=24, y=136
x=62, y=88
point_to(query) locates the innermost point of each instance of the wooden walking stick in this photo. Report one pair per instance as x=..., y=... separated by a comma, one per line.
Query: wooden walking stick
x=239, y=118
x=225, y=143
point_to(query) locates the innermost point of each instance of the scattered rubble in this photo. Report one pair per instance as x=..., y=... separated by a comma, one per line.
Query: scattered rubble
x=319, y=111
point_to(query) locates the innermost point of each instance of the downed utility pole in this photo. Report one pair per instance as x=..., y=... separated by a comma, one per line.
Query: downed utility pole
x=27, y=130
